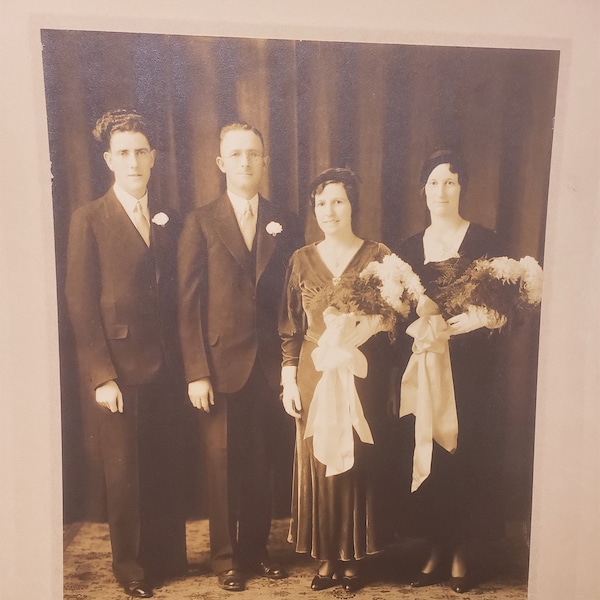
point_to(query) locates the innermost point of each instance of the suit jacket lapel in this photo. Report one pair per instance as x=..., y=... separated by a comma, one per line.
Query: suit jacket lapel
x=119, y=222
x=229, y=231
x=265, y=242
x=157, y=240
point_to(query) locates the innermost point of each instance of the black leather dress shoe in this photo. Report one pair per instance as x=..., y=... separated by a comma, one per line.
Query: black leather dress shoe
x=231, y=580
x=322, y=582
x=352, y=583
x=270, y=570
x=138, y=589
x=425, y=579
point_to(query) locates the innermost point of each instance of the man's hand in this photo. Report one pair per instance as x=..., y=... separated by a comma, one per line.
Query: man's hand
x=110, y=396
x=201, y=394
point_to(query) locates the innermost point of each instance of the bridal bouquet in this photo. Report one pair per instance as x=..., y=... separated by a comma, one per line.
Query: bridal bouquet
x=357, y=308
x=389, y=289
x=500, y=287
x=495, y=290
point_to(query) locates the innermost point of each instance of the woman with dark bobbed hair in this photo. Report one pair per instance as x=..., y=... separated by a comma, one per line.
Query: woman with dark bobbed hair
x=457, y=505
x=336, y=517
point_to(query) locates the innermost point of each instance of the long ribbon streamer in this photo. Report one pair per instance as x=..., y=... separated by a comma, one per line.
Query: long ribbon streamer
x=335, y=409
x=427, y=389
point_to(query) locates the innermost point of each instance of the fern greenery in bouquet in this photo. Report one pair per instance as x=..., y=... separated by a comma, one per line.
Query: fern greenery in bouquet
x=389, y=288
x=502, y=287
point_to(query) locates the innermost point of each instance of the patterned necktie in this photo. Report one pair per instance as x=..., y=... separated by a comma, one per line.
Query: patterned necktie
x=247, y=225
x=141, y=223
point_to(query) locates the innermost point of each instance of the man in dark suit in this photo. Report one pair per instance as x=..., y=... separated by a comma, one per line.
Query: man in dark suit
x=233, y=254
x=121, y=295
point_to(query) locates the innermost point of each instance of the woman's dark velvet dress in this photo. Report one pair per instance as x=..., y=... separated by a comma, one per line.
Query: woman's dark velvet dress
x=342, y=516
x=461, y=499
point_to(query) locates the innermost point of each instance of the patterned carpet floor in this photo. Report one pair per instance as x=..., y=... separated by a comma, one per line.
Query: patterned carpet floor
x=88, y=575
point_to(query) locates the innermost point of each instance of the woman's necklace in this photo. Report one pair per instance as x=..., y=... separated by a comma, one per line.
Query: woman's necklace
x=338, y=258
x=337, y=262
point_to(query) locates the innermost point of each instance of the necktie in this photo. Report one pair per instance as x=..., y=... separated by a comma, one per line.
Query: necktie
x=247, y=225
x=141, y=223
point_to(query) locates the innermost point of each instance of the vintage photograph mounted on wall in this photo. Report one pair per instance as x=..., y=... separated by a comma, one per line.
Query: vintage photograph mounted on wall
x=345, y=399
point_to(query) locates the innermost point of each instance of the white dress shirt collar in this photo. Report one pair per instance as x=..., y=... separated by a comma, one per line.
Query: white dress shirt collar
x=128, y=202
x=239, y=204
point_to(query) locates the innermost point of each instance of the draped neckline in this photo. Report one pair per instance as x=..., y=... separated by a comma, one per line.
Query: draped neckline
x=336, y=278
x=465, y=234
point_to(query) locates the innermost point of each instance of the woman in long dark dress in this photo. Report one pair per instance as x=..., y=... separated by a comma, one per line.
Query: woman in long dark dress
x=459, y=502
x=338, y=518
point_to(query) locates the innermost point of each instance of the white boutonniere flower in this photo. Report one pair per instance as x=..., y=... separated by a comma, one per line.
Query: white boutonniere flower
x=274, y=228
x=160, y=219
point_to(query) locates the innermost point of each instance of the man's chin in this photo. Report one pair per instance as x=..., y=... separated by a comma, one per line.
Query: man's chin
x=136, y=192
x=245, y=190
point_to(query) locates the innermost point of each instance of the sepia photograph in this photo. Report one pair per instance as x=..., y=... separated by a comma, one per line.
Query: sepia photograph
x=195, y=126
x=298, y=302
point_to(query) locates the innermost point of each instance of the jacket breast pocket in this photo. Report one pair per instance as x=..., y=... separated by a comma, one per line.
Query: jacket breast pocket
x=213, y=339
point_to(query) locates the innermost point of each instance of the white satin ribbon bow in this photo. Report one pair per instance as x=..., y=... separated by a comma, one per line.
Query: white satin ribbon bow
x=335, y=409
x=427, y=389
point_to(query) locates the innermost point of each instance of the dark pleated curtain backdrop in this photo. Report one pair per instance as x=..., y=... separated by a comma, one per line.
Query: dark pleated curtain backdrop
x=378, y=108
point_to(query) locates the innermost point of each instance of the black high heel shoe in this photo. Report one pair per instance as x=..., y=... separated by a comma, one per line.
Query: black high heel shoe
x=352, y=583
x=322, y=582
x=460, y=585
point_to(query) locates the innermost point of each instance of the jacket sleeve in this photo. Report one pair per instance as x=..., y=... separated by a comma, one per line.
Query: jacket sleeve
x=193, y=272
x=83, y=301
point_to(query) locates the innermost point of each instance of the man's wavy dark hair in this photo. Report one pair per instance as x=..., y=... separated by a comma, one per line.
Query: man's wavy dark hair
x=121, y=119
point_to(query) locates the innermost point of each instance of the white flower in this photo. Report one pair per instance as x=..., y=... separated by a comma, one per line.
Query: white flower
x=531, y=280
x=506, y=269
x=400, y=285
x=160, y=219
x=273, y=228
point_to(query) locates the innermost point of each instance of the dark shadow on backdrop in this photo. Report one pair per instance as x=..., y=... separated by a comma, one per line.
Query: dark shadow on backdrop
x=375, y=107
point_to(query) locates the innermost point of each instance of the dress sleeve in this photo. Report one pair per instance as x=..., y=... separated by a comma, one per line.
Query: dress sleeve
x=411, y=251
x=382, y=250
x=292, y=319
x=483, y=243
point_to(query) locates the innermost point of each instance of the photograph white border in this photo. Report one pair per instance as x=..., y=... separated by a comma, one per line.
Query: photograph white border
x=566, y=521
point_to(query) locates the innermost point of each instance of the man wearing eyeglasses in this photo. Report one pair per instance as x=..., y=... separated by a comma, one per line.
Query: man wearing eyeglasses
x=233, y=255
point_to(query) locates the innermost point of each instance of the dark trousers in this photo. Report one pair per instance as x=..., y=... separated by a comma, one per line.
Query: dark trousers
x=236, y=443
x=142, y=466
